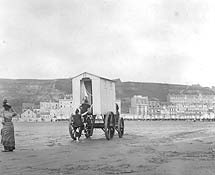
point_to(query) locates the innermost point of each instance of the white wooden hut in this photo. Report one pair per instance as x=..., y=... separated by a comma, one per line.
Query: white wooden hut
x=99, y=91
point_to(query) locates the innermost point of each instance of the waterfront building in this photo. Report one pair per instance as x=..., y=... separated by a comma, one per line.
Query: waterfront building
x=164, y=110
x=47, y=106
x=154, y=107
x=65, y=108
x=190, y=99
x=172, y=108
x=45, y=110
x=54, y=114
x=26, y=106
x=45, y=116
x=139, y=105
x=37, y=111
x=29, y=116
x=193, y=101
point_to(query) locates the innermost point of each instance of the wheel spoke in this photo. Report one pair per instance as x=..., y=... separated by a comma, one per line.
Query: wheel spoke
x=109, y=133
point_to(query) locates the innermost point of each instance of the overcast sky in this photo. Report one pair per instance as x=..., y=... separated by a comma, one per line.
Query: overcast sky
x=167, y=41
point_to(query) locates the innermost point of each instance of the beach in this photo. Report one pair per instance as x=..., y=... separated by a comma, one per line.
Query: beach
x=148, y=147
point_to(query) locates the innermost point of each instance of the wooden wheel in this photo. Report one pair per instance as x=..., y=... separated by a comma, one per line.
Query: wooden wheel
x=109, y=125
x=89, y=126
x=87, y=133
x=75, y=133
x=72, y=132
x=120, y=127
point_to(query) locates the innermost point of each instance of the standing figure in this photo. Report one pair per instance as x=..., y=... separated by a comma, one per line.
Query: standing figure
x=85, y=107
x=117, y=112
x=77, y=124
x=7, y=131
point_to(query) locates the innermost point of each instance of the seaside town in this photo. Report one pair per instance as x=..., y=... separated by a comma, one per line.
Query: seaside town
x=160, y=145
x=47, y=111
x=107, y=87
x=186, y=105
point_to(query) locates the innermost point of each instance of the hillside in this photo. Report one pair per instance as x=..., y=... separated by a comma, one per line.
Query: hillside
x=19, y=91
x=125, y=90
x=30, y=90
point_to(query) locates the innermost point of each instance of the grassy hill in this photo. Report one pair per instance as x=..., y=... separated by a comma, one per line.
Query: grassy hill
x=31, y=90
x=126, y=90
x=19, y=91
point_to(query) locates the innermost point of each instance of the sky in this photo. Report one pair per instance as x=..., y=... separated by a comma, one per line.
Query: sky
x=164, y=41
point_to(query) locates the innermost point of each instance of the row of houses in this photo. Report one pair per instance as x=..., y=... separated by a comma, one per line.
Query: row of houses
x=50, y=111
x=47, y=111
x=188, y=103
x=178, y=106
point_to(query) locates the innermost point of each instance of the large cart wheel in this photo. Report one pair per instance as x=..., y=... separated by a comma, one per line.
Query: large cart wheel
x=109, y=125
x=72, y=132
x=89, y=126
x=120, y=127
x=87, y=133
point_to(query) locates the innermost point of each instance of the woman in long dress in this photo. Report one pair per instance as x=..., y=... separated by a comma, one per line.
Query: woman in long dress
x=7, y=131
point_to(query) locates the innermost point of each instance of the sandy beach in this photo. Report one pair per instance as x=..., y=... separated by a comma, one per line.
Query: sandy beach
x=152, y=147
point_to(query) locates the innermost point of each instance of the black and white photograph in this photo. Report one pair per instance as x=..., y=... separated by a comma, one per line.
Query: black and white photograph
x=105, y=87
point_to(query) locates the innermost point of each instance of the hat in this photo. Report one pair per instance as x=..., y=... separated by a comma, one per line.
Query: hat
x=5, y=103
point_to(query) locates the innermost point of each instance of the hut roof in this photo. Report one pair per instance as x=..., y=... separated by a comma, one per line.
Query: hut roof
x=85, y=73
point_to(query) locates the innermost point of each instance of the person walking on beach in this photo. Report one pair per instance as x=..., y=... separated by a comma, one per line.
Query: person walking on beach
x=7, y=131
x=77, y=124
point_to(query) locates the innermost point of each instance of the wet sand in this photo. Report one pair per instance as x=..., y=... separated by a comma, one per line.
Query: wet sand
x=152, y=147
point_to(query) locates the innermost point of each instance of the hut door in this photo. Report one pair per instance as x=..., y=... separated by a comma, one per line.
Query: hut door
x=86, y=90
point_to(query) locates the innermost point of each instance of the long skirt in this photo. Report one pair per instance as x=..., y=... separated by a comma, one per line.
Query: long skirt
x=7, y=136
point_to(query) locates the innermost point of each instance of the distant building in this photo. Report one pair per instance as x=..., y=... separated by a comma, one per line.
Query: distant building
x=54, y=114
x=190, y=98
x=172, y=108
x=139, y=105
x=26, y=106
x=47, y=106
x=65, y=108
x=164, y=110
x=154, y=108
x=29, y=116
x=45, y=116
x=37, y=111
x=193, y=101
